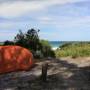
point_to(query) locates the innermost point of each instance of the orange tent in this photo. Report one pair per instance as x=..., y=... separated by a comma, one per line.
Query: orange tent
x=14, y=58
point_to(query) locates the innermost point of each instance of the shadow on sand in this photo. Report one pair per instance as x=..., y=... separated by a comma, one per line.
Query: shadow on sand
x=78, y=80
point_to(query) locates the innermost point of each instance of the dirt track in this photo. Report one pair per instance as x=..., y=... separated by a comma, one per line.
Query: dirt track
x=63, y=74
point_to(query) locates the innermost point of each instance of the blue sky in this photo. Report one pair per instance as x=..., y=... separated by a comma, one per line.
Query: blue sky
x=61, y=20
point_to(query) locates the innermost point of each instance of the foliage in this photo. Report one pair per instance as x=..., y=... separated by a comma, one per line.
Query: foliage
x=20, y=39
x=77, y=49
x=30, y=40
x=7, y=42
x=46, y=49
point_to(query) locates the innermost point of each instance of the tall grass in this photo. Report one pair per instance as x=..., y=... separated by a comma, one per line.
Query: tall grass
x=79, y=49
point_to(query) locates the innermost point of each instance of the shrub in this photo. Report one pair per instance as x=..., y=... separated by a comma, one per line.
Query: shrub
x=74, y=50
x=46, y=49
x=7, y=42
x=31, y=41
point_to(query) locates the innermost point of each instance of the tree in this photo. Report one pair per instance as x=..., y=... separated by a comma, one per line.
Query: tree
x=7, y=42
x=31, y=41
x=20, y=39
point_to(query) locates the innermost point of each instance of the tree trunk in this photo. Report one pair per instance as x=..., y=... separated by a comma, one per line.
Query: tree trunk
x=44, y=72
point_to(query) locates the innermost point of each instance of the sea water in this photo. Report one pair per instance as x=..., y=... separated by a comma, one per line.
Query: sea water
x=56, y=44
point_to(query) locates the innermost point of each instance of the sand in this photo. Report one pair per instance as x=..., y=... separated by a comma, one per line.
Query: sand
x=63, y=74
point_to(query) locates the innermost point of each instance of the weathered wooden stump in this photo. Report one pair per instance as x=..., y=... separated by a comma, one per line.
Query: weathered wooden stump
x=44, y=72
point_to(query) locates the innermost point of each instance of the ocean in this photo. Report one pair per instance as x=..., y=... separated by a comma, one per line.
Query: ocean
x=56, y=44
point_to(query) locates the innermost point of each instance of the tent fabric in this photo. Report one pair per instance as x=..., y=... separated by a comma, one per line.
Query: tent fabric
x=14, y=58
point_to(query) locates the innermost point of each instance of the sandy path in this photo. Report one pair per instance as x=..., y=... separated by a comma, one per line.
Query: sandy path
x=63, y=74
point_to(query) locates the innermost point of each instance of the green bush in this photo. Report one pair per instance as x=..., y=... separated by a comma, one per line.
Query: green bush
x=46, y=49
x=7, y=42
x=31, y=41
x=78, y=49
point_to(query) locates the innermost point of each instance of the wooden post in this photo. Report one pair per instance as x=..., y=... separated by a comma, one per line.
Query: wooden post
x=44, y=72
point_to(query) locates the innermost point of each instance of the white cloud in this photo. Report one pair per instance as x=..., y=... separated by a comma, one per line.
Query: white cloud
x=17, y=8
x=46, y=35
x=66, y=22
x=6, y=25
x=9, y=26
x=44, y=18
x=47, y=21
x=75, y=22
x=7, y=36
